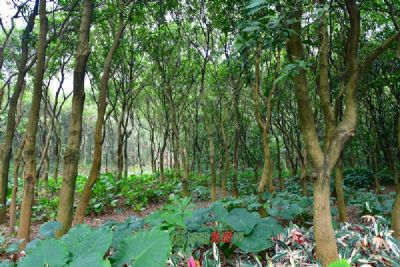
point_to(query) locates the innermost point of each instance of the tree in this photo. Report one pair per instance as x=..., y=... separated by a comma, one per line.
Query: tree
x=71, y=155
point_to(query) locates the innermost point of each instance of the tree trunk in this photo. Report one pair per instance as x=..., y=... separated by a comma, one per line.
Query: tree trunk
x=57, y=155
x=163, y=147
x=29, y=152
x=13, y=205
x=235, y=165
x=71, y=155
x=396, y=204
x=98, y=132
x=6, y=147
x=325, y=241
x=341, y=203
x=213, y=177
x=278, y=155
x=225, y=162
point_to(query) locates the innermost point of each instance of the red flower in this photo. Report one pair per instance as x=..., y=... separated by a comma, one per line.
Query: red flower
x=227, y=237
x=215, y=237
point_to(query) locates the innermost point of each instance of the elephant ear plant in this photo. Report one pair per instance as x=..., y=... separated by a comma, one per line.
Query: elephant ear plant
x=113, y=244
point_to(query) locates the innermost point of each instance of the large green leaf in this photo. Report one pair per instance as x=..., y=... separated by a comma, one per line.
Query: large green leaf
x=83, y=239
x=94, y=259
x=49, y=252
x=241, y=220
x=257, y=241
x=148, y=249
x=48, y=229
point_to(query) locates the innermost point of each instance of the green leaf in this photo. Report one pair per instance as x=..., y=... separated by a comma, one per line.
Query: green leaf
x=94, y=259
x=255, y=3
x=49, y=252
x=82, y=240
x=241, y=220
x=340, y=263
x=143, y=249
x=48, y=229
x=256, y=241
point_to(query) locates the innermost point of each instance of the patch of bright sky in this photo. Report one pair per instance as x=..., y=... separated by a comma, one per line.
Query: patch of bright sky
x=7, y=10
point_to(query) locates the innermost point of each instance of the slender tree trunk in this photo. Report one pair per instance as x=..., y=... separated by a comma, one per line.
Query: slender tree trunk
x=120, y=144
x=235, y=191
x=126, y=160
x=177, y=145
x=29, y=152
x=396, y=204
x=6, y=147
x=98, y=132
x=162, y=152
x=225, y=161
x=13, y=205
x=278, y=155
x=341, y=203
x=57, y=155
x=213, y=176
x=71, y=155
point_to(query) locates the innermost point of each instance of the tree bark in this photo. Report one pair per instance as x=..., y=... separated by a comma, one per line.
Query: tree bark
x=98, y=132
x=6, y=147
x=396, y=204
x=13, y=205
x=341, y=203
x=29, y=152
x=71, y=155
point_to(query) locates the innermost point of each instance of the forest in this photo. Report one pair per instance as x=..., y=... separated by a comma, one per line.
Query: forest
x=199, y=133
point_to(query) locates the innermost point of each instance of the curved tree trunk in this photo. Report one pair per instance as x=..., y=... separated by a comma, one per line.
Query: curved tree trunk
x=29, y=152
x=6, y=147
x=71, y=155
x=98, y=132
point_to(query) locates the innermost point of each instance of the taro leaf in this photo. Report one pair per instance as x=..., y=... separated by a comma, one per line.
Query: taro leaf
x=125, y=229
x=154, y=219
x=257, y=241
x=2, y=239
x=221, y=213
x=340, y=263
x=48, y=229
x=6, y=263
x=94, y=259
x=270, y=227
x=241, y=220
x=149, y=249
x=48, y=252
x=199, y=217
x=82, y=240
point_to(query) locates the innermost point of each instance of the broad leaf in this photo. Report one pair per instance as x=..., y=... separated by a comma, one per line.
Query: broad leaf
x=94, y=259
x=149, y=249
x=49, y=252
x=82, y=240
x=241, y=220
x=48, y=229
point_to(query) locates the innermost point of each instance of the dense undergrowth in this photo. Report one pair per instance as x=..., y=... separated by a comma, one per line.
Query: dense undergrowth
x=180, y=233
